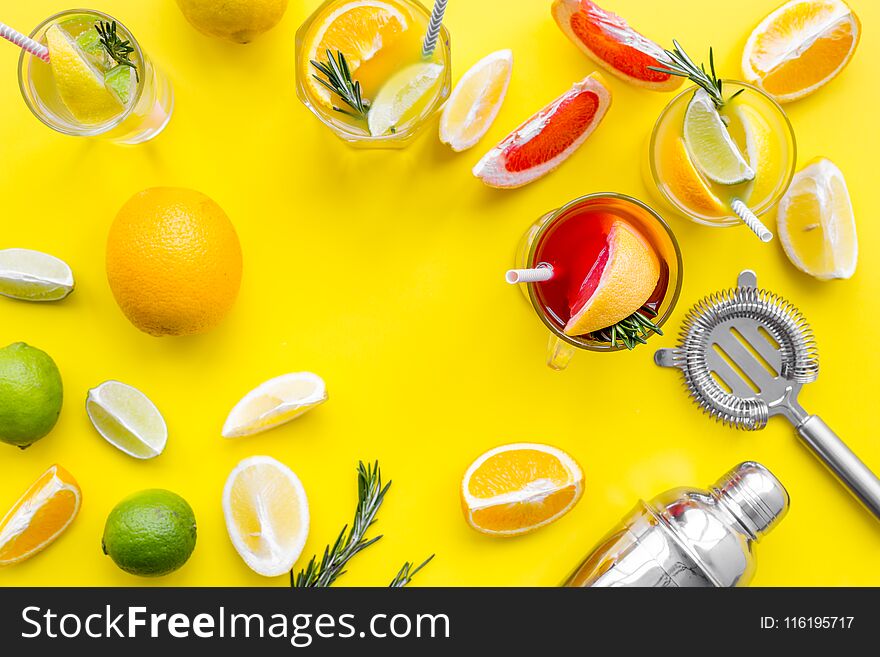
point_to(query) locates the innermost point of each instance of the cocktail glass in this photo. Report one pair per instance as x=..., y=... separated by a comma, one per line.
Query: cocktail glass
x=651, y=227
x=678, y=186
x=144, y=116
x=405, y=50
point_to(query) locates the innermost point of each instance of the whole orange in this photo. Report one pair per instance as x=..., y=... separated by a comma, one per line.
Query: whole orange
x=173, y=261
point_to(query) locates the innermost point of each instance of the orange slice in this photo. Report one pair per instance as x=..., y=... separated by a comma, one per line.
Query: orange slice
x=548, y=138
x=609, y=41
x=39, y=516
x=517, y=488
x=623, y=278
x=686, y=184
x=800, y=47
x=358, y=29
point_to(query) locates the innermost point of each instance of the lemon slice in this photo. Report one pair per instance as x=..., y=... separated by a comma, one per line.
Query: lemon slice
x=127, y=419
x=401, y=98
x=34, y=276
x=764, y=155
x=817, y=226
x=476, y=100
x=710, y=145
x=267, y=514
x=274, y=403
x=79, y=84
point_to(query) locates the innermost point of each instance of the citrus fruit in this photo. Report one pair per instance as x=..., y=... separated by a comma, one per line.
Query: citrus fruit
x=476, y=101
x=267, y=514
x=686, y=184
x=150, y=533
x=274, y=403
x=401, y=98
x=39, y=516
x=515, y=489
x=34, y=276
x=173, y=261
x=127, y=419
x=620, y=282
x=816, y=222
x=240, y=21
x=80, y=85
x=30, y=394
x=547, y=139
x=709, y=144
x=609, y=41
x=800, y=47
x=358, y=29
x=762, y=152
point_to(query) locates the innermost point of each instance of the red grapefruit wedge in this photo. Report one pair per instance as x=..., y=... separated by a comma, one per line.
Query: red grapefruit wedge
x=622, y=279
x=609, y=41
x=547, y=139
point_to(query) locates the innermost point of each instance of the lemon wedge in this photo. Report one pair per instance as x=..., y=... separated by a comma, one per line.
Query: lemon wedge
x=34, y=276
x=274, y=403
x=267, y=514
x=127, y=419
x=476, y=100
x=763, y=153
x=401, y=98
x=79, y=84
x=817, y=226
x=710, y=145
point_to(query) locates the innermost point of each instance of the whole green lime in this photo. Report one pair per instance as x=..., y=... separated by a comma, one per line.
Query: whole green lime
x=30, y=394
x=150, y=533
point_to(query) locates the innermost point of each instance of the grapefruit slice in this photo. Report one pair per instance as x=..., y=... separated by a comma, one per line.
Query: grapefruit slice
x=622, y=279
x=548, y=138
x=609, y=41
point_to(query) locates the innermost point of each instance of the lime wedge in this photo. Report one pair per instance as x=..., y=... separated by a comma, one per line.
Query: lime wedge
x=90, y=43
x=710, y=146
x=120, y=80
x=79, y=83
x=402, y=97
x=34, y=276
x=127, y=419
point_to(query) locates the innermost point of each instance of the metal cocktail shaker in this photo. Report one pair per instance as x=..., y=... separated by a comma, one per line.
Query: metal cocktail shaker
x=690, y=537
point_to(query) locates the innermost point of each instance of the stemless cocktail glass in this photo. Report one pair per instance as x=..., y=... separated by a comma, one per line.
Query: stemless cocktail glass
x=644, y=220
x=144, y=116
x=764, y=135
x=389, y=36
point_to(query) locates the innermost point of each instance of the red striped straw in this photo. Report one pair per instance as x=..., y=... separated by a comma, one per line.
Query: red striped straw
x=24, y=42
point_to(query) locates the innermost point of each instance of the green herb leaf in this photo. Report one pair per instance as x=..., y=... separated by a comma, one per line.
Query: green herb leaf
x=631, y=331
x=340, y=82
x=407, y=572
x=119, y=50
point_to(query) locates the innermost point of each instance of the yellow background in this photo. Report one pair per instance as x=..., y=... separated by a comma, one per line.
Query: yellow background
x=383, y=272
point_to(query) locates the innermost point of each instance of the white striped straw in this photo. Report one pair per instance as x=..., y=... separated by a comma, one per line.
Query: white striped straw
x=751, y=220
x=24, y=42
x=535, y=275
x=430, y=41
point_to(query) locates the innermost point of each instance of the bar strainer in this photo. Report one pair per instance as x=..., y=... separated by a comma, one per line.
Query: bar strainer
x=745, y=354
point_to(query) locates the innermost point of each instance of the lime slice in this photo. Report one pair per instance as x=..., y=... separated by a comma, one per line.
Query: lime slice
x=402, y=97
x=120, y=80
x=34, y=276
x=127, y=419
x=274, y=403
x=79, y=83
x=710, y=145
x=89, y=42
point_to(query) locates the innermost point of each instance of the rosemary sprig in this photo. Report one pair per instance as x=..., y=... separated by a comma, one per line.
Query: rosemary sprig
x=631, y=331
x=407, y=572
x=682, y=65
x=371, y=493
x=340, y=82
x=118, y=49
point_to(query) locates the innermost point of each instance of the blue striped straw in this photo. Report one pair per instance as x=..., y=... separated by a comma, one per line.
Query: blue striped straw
x=430, y=41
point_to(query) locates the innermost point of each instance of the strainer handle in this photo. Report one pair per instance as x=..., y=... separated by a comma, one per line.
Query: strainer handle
x=840, y=459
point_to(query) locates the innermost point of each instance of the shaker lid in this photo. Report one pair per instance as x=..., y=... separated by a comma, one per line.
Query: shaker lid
x=756, y=497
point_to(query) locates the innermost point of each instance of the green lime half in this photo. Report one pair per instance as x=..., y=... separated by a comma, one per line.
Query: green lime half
x=30, y=394
x=710, y=146
x=151, y=533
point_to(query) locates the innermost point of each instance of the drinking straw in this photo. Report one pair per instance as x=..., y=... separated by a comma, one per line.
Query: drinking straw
x=751, y=220
x=534, y=275
x=430, y=41
x=24, y=42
